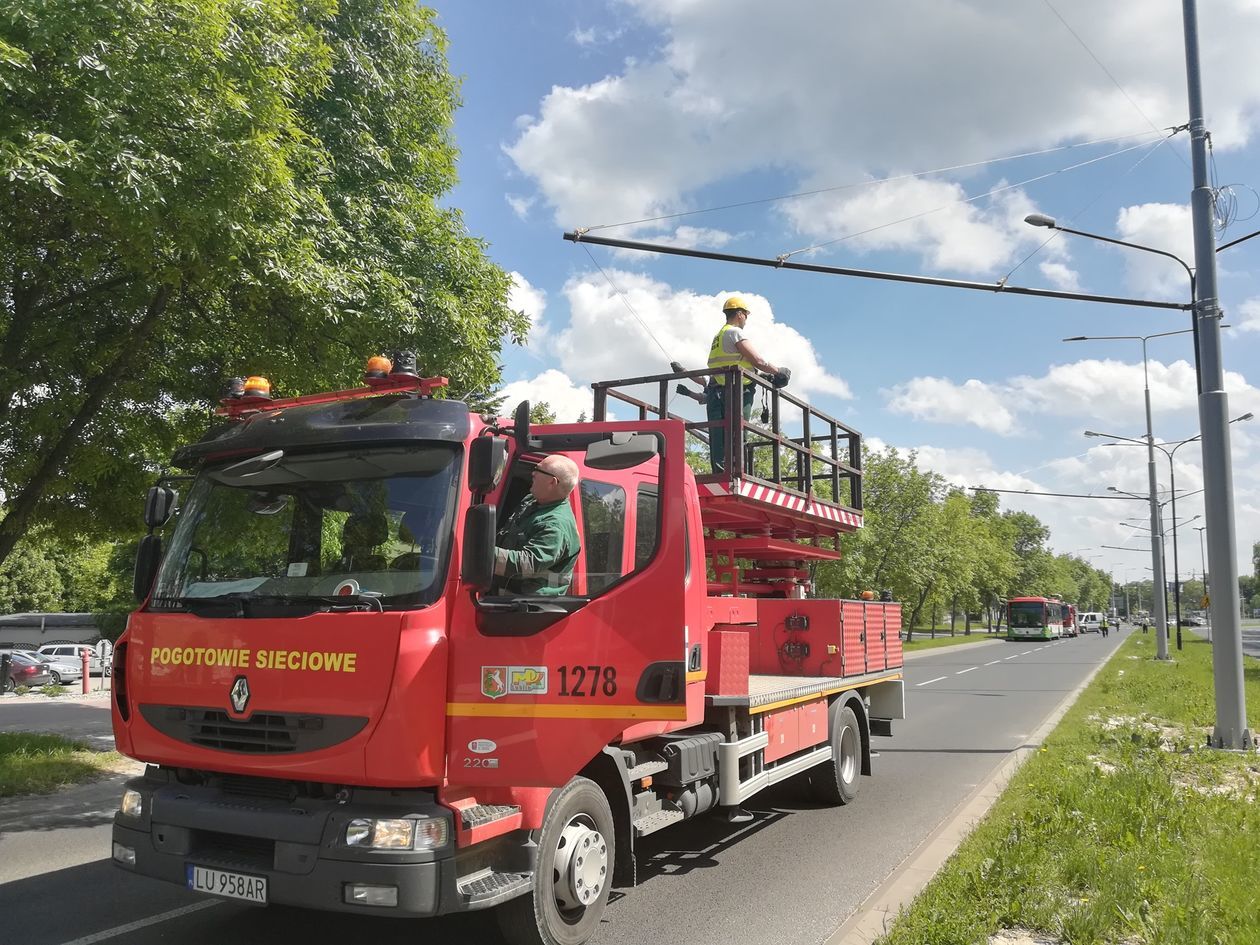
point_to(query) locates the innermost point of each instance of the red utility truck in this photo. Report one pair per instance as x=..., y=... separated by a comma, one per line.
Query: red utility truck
x=338, y=709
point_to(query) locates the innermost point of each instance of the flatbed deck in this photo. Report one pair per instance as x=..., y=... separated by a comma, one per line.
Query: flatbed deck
x=767, y=692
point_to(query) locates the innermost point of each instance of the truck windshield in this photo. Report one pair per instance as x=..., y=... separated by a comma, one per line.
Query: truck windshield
x=1028, y=615
x=368, y=525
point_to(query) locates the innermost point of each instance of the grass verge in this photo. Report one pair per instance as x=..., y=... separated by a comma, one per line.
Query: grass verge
x=922, y=641
x=39, y=764
x=1122, y=828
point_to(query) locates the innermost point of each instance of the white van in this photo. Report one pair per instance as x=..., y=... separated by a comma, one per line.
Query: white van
x=1090, y=621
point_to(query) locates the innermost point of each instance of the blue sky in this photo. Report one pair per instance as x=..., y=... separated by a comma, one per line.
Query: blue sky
x=598, y=113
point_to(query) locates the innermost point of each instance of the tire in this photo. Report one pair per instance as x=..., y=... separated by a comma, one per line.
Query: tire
x=574, y=875
x=8, y=685
x=836, y=781
x=56, y=678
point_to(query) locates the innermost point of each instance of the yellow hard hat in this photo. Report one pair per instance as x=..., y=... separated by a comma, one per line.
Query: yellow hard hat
x=735, y=302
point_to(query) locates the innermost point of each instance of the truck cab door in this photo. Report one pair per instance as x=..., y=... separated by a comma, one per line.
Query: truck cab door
x=536, y=694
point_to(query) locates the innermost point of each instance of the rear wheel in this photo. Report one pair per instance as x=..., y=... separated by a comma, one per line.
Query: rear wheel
x=574, y=875
x=836, y=781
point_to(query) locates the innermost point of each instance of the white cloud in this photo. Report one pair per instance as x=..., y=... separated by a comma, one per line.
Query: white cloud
x=649, y=324
x=1250, y=312
x=520, y=204
x=567, y=399
x=1060, y=276
x=1163, y=226
x=524, y=297
x=1103, y=395
x=939, y=400
x=646, y=139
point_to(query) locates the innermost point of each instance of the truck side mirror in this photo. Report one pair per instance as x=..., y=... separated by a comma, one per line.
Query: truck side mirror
x=520, y=426
x=487, y=458
x=148, y=555
x=621, y=451
x=159, y=504
x=477, y=565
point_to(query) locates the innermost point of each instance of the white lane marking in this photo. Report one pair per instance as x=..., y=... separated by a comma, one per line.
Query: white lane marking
x=961, y=671
x=992, y=662
x=1011, y=657
x=142, y=923
x=1026, y=652
x=937, y=679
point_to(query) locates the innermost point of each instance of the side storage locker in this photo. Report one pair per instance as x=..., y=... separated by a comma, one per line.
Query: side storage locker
x=875, y=656
x=853, y=637
x=892, y=634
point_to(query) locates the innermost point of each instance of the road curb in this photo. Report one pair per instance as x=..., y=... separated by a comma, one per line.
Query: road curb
x=877, y=911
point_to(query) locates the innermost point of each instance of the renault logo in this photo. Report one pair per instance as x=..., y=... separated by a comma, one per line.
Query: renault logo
x=239, y=694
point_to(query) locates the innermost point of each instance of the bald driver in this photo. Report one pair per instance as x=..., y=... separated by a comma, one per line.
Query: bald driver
x=538, y=544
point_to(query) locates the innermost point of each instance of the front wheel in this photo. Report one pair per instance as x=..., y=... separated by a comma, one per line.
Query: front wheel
x=56, y=678
x=836, y=781
x=574, y=874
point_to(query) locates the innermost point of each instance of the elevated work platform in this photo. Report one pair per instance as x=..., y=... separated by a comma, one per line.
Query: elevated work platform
x=787, y=473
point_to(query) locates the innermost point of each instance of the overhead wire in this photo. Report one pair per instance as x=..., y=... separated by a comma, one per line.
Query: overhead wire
x=972, y=199
x=1116, y=82
x=626, y=301
x=869, y=183
x=1102, y=193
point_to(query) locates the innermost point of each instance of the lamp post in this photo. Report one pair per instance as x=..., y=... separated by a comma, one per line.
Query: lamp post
x=1172, y=487
x=1161, y=612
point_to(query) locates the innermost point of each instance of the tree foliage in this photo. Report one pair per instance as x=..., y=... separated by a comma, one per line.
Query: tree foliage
x=196, y=189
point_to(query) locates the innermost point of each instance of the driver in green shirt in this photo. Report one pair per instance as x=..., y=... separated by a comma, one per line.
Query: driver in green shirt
x=538, y=544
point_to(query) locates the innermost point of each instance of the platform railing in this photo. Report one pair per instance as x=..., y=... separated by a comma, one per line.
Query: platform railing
x=823, y=462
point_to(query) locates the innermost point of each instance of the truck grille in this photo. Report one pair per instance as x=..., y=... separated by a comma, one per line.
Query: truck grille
x=229, y=849
x=261, y=733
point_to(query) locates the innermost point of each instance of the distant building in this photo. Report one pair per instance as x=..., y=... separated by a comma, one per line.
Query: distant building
x=31, y=631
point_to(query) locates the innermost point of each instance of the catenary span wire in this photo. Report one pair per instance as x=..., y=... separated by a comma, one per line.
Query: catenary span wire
x=870, y=183
x=973, y=199
x=1116, y=82
x=625, y=301
x=1054, y=234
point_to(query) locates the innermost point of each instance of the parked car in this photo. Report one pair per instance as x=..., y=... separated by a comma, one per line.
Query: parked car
x=63, y=668
x=1089, y=621
x=74, y=651
x=25, y=670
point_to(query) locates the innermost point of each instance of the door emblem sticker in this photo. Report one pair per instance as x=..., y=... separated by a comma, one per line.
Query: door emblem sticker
x=481, y=746
x=494, y=681
x=527, y=680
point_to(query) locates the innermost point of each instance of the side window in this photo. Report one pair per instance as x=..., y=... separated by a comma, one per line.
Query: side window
x=646, y=525
x=604, y=527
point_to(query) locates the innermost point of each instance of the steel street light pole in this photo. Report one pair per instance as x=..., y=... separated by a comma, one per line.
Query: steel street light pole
x=1161, y=610
x=1218, y=476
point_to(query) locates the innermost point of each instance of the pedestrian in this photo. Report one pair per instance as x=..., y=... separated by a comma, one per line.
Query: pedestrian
x=538, y=544
x=730, y=348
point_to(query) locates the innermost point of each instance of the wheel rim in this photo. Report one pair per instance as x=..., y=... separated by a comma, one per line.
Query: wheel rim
x=56, y=679
x=848, y=755
x=581, y=864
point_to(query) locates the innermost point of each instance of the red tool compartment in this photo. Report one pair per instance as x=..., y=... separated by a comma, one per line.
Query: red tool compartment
x=824, y=637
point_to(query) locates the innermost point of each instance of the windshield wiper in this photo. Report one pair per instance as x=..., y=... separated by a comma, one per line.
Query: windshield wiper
x=242, y=603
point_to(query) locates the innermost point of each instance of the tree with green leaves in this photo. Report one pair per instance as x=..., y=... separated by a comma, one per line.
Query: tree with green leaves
x=195, y=190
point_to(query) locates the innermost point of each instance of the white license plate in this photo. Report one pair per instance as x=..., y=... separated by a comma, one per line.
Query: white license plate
x=230, y=885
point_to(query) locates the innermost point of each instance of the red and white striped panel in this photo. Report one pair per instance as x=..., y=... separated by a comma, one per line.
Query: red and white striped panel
x=773, y=496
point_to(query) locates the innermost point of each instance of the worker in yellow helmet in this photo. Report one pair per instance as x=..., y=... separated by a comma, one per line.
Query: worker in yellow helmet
x=730, y=348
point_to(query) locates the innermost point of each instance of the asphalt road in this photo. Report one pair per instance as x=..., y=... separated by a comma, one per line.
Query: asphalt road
x=792, y=875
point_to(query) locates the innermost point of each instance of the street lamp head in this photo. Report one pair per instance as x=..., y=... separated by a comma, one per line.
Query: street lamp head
x=1092, y=433
x=1040, y=219
x=1077, y=338
x=1247, y=416
x=1112, y=489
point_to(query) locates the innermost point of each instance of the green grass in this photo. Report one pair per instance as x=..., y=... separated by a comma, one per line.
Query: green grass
x=923, y=642
x=1121, y=828
x=39, y=764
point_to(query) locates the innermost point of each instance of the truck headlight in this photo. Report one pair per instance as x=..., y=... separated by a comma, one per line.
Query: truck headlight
x=132, y=804
x=396, y=833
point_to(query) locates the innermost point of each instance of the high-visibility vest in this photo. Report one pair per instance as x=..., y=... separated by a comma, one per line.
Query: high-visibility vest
x=720, y=359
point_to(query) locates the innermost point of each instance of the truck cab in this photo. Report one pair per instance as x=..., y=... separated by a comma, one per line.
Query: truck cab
x=340, y=708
